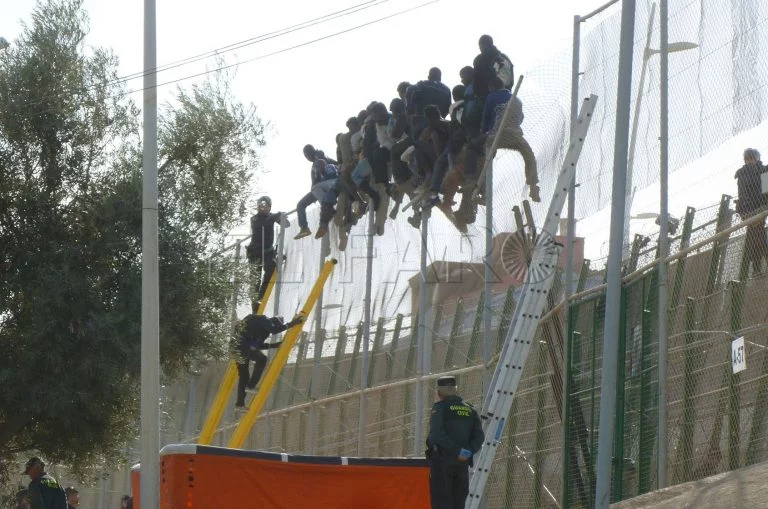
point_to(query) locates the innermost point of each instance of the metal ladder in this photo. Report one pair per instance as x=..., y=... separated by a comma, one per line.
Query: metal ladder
x=538, y=282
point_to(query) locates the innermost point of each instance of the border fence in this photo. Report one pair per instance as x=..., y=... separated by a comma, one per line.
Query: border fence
x=716, y=418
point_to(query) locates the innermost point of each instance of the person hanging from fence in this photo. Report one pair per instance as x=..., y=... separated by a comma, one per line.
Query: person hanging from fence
x=260, y=252
x=752, y=201
x=455, y=436
x=251, y=334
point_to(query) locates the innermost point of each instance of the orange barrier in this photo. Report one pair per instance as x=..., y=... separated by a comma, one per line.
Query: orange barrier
x=204, y=477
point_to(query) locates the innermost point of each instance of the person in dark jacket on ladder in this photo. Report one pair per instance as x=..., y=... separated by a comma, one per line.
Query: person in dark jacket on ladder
x=252, y=334
x=455, y=436
x=261, y=250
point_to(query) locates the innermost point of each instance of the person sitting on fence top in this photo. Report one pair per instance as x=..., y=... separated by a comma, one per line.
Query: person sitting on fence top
x=374, y=165
x=442, y=133
x=511, y=136
x=471, y=117
x=751, y=201
x=422, y=94
x=489, y=63
x=323, y=169
x=400, y=133
x=348, y=161
x=402, y=88
x=252, y=333
x=457, y=106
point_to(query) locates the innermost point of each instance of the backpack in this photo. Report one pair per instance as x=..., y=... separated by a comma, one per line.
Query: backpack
x=504, y=69
x=331, y=172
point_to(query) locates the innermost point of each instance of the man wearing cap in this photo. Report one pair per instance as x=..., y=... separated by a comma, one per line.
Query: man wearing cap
x=261, y=249
x=252, y=334
x=455, y=435
x=44, y=492
x=73, y=497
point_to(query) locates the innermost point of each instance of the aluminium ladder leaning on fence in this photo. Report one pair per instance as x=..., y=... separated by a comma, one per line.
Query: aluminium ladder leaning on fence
x=497, y=402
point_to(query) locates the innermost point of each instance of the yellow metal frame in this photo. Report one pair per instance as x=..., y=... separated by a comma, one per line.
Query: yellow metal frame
x=228, y=383
x=276, y=366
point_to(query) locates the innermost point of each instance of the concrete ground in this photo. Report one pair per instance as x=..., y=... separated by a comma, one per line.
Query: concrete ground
x=744, y=488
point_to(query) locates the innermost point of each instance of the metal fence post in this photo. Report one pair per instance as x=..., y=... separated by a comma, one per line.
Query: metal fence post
x=421, y=348
x=734, y=393
x=614, y=290
x=456, y=326
x=364, y=377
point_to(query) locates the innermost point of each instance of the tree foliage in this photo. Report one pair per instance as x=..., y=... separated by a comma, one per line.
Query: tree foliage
x=70, y=236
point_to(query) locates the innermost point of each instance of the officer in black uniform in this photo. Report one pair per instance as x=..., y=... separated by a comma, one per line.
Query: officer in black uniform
x=261, y=250
x=455, y=435
x=43, y=491
x=252, y=334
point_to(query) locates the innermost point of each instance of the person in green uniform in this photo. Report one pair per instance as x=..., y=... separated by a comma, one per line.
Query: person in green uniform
x=455, y=436
x=44, y=491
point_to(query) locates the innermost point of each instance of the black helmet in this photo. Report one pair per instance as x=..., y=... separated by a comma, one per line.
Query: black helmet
x=264, y=199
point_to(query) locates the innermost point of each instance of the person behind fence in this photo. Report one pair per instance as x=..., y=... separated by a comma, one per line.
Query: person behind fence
x=261, y=250
x=252, y=333
x=455, y=436
x=43, y=491
x=751, y=201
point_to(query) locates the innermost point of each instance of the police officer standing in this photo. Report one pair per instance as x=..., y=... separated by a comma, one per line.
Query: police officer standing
x=252, y=334
x=44, y=491
x=455, y=435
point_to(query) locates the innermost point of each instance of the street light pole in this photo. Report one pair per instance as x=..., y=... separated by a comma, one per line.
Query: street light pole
x=647, y=54
x=150, y=296
x=608, y=384
x=661, y=456
x=629, y=195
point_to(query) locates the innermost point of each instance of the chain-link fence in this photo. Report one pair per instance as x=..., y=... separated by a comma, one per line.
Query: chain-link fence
x=716, y=416
x=716, y=419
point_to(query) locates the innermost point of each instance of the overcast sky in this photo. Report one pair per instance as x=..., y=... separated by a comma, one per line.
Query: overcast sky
x=308, y=93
